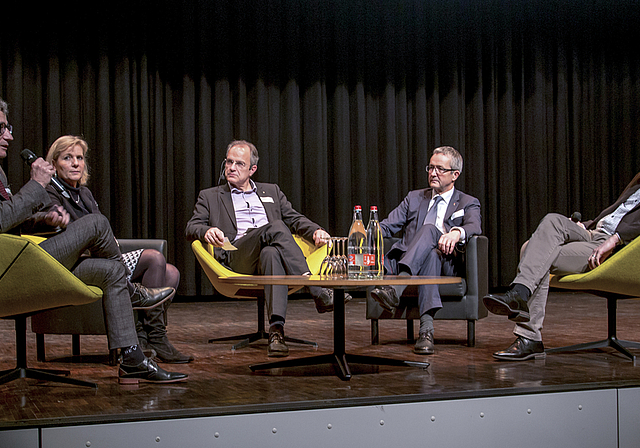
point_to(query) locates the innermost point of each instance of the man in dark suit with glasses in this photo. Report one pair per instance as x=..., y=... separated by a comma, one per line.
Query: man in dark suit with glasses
x=435, y=223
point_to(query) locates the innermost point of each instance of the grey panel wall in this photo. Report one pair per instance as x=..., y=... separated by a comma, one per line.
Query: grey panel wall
x=19, y=438
x=629, y=417
x=571, y=419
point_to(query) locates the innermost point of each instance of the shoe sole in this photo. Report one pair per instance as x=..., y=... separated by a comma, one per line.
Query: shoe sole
x=129, y=381
x=423, y=352
x=500, y=308
x=524, y=358
x=146, y=308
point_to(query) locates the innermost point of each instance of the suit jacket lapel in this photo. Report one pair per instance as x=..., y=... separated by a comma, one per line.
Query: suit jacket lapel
x=423, y=208
x=269, y=207
x=453, y=205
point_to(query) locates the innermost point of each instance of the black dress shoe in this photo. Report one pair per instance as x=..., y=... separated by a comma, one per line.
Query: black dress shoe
x=277, y=347
x=509, y=304
x=521, y=350
x=424, y=345
x=145, y=347
x=144, y=298
x=386, y=296
x=147, y=370
x=167, y=353
x=324, y=302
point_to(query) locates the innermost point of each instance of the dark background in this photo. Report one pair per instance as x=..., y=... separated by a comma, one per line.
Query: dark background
x=345, y=100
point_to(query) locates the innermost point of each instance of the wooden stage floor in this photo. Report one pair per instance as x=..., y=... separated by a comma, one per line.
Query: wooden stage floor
x=221, y=382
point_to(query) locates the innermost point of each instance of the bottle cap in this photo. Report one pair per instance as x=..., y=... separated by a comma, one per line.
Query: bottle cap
x=357, y=207
x=374, y=208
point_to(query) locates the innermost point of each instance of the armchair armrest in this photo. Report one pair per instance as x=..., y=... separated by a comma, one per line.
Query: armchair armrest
x=477, y=270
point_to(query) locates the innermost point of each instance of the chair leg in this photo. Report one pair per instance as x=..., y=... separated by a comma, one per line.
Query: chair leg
x=471, y=333
x=375, y=332
x=300, y=341
x=113, y=357
x=40, y=348
x=260, y=334
x=75, y=345
x=22, y=371
x=611, y=341
x=410, y=331
x=248, y=338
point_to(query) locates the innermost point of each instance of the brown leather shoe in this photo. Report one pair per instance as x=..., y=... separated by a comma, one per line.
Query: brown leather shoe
x=277, y=347
x=521, y=350
x=424, y=344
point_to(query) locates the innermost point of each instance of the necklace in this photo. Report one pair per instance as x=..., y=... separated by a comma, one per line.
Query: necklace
x=77, y=201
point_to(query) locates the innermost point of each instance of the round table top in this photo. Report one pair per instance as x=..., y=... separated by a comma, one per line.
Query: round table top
x=328, y=282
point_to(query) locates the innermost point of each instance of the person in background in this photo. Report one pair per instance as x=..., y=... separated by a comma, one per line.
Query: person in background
x=147, y=267
x=103, y=269
x=436, y=222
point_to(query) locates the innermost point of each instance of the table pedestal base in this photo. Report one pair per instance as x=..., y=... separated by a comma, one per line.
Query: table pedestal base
x=341, y=361
x=338, y=357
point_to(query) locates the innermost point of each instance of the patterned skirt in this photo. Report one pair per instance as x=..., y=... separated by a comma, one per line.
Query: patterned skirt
x=131, y=261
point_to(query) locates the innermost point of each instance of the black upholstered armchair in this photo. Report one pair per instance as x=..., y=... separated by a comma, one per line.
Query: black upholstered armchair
x=85, y=319
x=459, y=301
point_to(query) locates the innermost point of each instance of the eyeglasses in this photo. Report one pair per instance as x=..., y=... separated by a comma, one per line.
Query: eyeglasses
x=229, y=163
x=5, y=127
x=439, y=169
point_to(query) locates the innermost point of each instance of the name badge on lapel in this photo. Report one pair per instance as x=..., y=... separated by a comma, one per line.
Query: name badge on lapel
x=267, y=199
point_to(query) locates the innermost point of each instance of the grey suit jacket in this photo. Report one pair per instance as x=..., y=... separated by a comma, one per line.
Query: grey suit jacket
x=214, y=208
x=463, y=211
x=23, y=206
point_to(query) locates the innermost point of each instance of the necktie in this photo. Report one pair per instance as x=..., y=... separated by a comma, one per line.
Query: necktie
x=433, y=211
x=3, y=191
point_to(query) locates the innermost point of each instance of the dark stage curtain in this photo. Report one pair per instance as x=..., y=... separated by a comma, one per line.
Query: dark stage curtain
x=345, y=99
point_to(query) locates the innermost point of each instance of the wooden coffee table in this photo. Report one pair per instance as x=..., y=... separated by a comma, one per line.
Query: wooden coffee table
x=338, y=357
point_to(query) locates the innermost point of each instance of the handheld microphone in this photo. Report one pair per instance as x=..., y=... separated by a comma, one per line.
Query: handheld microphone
x=222, y=177
x=576, y=217
x=29, y=157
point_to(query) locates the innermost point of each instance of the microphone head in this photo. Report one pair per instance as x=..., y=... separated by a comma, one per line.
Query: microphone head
x=28, y=156
x=222, y=176
x=576, y=217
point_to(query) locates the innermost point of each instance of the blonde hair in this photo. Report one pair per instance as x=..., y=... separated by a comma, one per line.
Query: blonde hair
x=65, y=142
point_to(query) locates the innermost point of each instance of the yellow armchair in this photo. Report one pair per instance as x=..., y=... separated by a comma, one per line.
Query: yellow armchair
x=617, y=278
x=32, y=281
x=214, y=270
